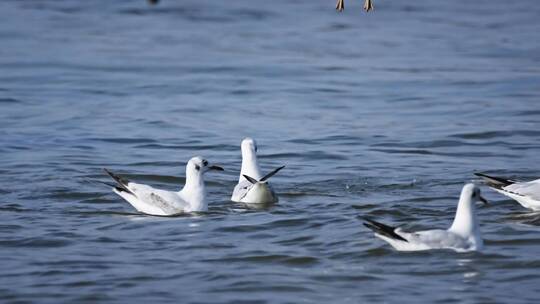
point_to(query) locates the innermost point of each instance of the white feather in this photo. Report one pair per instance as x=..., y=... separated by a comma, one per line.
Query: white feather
x=245, y=191
x=152, y=201
x=464, y=234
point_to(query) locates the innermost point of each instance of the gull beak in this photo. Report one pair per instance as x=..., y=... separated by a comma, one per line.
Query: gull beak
x=483, y=200
x=217, y=168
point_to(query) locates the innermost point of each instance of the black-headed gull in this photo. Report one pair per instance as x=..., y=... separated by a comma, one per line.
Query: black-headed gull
x=252, y=187
x=463, y=235
x=525, y=193
x=152, y=201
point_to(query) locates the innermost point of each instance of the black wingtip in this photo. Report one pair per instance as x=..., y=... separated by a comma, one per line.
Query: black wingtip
x=383, y=229
x=107, y=171
x=493, y=181
x=250, y=179
x=272, y=173
x=122, y=182
x=108, y=184
x=116, y=177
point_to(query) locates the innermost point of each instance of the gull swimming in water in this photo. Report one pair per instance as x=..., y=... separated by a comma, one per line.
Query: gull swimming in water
x=152, y=201
x=527, y=194
x=463, y=235
x=252, y=187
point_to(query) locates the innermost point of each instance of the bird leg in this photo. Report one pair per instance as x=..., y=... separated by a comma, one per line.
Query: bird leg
x=368, y=5
x=340, y=5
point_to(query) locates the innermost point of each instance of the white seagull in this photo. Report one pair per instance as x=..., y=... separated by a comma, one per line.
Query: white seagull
x=152, y=201
x=463, y=235
x=252, y=187
x=525, y=193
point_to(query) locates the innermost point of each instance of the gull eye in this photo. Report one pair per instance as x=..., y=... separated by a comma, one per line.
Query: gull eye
x=197, y=167
x=205, y=163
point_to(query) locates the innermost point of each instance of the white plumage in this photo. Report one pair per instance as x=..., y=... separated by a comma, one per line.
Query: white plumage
x=152, y=201
x=463, y=235
x=252, y=187
x=527, y=194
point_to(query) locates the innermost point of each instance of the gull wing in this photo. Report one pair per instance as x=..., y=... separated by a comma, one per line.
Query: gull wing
x=529, y=189
x=241, y=190
x=439, y=238
x=122, y=183
x=382, y=229
x=270, y=174
x=495, y=181
x=148, y=199
x=169, y=202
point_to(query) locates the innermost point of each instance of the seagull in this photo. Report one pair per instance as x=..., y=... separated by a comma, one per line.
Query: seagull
x=462, y=236
x=251, y=187
x=340, y=5
x=152, y=201
x=525, y=193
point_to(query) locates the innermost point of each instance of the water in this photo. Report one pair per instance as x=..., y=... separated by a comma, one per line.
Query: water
x=384, y=114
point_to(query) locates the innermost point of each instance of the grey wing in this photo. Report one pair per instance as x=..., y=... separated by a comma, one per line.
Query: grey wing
x=167, y=201
x=440, y=239
x=530, y=189
x=163, y=204
x=241, y=190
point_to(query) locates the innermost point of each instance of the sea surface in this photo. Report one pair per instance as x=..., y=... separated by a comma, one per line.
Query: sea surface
x=383, y=114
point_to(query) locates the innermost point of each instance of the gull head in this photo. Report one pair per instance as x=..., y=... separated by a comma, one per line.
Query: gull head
x=249, y=146
x=466, y=223
x=199, y=165
x=472, y=192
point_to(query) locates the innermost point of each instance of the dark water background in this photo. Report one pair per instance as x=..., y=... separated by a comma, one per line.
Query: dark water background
x=384, y=114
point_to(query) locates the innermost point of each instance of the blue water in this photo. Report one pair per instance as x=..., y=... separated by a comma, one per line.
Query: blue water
x=384, y=114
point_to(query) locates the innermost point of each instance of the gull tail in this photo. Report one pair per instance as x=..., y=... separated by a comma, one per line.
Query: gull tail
x=122, y=182
x=495, y=182
x=383, y=229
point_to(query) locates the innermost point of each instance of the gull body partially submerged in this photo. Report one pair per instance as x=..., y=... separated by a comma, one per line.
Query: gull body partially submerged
x=252, y=187
x=464, y=234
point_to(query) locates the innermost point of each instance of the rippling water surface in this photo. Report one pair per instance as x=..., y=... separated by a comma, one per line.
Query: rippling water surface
x=384, y=114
